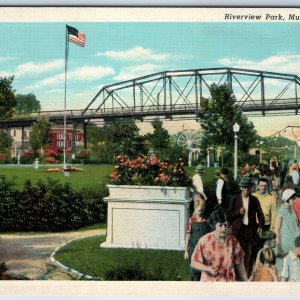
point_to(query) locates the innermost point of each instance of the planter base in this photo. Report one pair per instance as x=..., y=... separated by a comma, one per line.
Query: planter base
x=147, y=217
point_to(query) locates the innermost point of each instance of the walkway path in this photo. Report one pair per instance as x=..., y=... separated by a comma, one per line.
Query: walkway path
x=28, y=254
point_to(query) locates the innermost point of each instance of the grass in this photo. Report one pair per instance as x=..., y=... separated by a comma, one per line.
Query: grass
x=92, y=176
x=88, y=258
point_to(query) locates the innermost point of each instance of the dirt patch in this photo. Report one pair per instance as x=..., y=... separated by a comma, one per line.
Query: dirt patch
x=27, y=255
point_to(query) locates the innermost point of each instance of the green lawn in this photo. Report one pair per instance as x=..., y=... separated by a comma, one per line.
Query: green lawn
x=88, y=258
x=91, y=176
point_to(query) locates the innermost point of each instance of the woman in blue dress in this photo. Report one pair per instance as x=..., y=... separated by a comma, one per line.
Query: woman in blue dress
x=286, y=227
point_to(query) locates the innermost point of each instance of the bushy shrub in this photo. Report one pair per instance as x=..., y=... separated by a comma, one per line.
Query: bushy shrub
x=2, y=158
x=94, y=205
x=28, y=157
x=49, y=206
x=7, y=159
x=9, y=197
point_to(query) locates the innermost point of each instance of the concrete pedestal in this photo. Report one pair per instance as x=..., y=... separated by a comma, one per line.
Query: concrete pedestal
x=147, y=217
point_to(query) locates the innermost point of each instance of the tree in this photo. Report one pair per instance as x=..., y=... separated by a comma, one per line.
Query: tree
x=120, y=137
x=125, y=139
x=7, y=98
x=159, y=139
x=217, y=117
x=40, y=134
x=27, y=104
x=5, y=141
x=98, y=141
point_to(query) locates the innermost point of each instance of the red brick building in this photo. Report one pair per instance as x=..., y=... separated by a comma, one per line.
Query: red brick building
x=74, y=137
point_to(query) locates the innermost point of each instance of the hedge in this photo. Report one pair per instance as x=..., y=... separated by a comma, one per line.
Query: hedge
x=49, y=206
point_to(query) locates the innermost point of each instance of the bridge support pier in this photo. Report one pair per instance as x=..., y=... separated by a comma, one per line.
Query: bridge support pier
x=22, y=138
x=74, y=138
x=84, y=136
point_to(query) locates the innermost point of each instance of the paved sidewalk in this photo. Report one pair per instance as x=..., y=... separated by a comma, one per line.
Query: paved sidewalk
x=28, y=254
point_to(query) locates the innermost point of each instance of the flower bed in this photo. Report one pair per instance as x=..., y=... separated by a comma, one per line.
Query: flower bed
x=51, y=160
x=250, y=172
x=66, y=169
x=149, y=172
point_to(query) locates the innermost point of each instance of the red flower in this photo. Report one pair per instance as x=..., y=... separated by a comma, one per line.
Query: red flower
x=140, y=171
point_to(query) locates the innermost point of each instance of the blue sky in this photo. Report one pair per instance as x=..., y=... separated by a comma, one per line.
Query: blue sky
x=34, y=53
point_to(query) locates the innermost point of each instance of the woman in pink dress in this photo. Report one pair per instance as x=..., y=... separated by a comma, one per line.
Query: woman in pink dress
x=218, y=254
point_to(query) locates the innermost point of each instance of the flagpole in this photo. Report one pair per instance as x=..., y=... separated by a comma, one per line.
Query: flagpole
x=65, y=100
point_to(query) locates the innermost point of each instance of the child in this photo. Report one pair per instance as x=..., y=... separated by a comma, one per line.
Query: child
x=266, y=270
x=197, y=227
x=291, y=264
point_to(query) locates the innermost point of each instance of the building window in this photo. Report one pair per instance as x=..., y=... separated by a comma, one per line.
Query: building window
x=60, y=136
x=60, y=144
x=15, y=132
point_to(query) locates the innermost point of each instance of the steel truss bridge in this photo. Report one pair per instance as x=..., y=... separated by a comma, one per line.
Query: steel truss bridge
x=177, y=95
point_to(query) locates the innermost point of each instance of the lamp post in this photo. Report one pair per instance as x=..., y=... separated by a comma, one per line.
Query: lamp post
x=236, y=129
x=260, y=151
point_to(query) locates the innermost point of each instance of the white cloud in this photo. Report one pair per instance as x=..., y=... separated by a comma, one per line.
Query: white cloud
x=50, y=81
x=6, y=74
x=89, y=73
x=86, y=73
x=136, y=53
x=284, y=63
x=54, y=91
x=38, y=68
x=137, y=71
x=7, y=58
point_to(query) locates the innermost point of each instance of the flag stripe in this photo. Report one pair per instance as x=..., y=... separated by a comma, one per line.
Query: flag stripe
x=75, y=36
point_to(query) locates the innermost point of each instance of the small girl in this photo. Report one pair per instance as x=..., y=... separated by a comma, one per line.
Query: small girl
x=196, y=228
x=266, y=270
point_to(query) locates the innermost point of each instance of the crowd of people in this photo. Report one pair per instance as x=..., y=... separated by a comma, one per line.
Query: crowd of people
x=253, y=235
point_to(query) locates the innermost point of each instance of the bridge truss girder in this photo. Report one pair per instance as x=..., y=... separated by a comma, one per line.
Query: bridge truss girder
x=180, y=92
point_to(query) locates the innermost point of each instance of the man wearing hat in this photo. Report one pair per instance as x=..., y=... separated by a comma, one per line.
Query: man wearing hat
x=243, y=211
x=222, y=189
x=198, y=184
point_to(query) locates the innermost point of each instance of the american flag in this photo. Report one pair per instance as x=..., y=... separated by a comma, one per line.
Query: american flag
x=75, y=36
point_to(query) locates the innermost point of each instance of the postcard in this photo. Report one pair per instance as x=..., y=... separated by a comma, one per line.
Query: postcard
x=120, y=127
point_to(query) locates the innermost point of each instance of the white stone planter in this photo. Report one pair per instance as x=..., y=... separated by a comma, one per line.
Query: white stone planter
x=147, y=217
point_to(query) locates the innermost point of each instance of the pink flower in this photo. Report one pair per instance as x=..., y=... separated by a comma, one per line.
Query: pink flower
x=153, y=160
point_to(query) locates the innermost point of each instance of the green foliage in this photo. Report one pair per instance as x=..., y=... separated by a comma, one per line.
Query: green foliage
x=121, y=137
x=40, y=134
x=174, y=151
x=49, y=206
x=219, y=114
x=27, y=104
x=5, y=141
x=281, y=147
x=7, y=97
x=9, y=198
x=98, y=142
x=135, y=271
x=125, y=139
x=159, y=140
